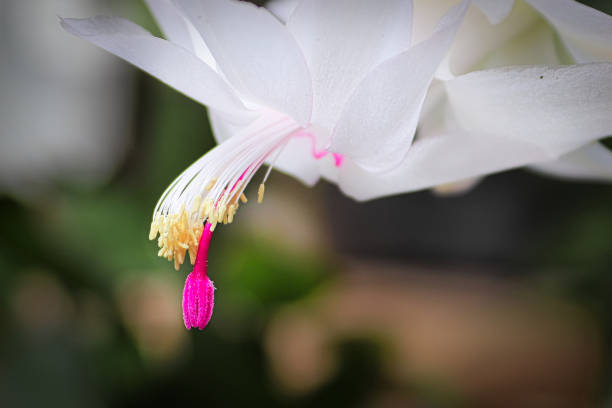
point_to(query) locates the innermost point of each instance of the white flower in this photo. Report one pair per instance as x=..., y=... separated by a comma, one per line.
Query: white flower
x=341, y=76
x=521, y=92
x=354, y=77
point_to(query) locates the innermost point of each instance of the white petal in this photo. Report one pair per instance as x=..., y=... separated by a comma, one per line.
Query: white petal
x=282, y=9
x=297, y=161
x=555, y=109
x=171, y=22
x=168, y=62
x=586, y=32
x=377, y=126
x=535, y=46
x=441, y=157
x=426, y=14
x=495, y=10
x=222, y=128
x=477, y=37
x=179, y=30
x=591, y=162
x=342, y=40
x=256, y=52
x=444, y=152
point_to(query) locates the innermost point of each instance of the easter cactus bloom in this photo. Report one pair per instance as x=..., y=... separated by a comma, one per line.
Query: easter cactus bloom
x=337, y=89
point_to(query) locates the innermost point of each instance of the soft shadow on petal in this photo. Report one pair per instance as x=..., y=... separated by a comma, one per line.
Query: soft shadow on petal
x=282, y=9
x=168, y=62
x=256, y=53
x=477, y=37
x=342, y=40
x=179, y=30
x=586, y=32
x=495, y=10
x=377, y=126
x=535, y=46
x=171, y=22
x=592, y=162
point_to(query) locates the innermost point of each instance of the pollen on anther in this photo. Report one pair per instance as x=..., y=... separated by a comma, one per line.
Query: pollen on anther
x=243, y=198
x=231, y=212
x=179, y=234
x=211, y=184
x=260, y=193
x=196, y=203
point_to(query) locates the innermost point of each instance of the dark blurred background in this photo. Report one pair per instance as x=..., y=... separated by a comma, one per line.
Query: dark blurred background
x=498, y=298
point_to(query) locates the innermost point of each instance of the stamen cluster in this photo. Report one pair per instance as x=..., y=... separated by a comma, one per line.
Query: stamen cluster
x=212, y=189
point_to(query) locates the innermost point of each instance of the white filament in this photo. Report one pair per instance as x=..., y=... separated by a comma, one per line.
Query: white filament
x=228, y=167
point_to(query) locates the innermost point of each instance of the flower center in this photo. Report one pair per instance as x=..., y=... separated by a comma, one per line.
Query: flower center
x=319, y=154
x=212, y=188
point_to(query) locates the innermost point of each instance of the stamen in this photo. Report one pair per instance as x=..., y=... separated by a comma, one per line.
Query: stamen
x=211, y=184
x=213, y=187
x=260, y=193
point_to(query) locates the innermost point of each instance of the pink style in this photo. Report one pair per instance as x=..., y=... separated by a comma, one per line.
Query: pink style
x=198, y=295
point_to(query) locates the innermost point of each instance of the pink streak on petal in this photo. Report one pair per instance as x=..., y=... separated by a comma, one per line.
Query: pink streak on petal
x=338, y=159
x=319, y=154
x=198, y=295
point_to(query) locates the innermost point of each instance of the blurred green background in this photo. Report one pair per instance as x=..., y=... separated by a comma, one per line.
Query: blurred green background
x=499, y=298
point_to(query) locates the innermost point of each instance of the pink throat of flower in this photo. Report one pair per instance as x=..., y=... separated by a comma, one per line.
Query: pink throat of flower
x=198, y=295
x=319, y=154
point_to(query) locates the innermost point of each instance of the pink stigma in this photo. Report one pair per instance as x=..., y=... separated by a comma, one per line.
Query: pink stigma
x=198, y=295
x=319, y=154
